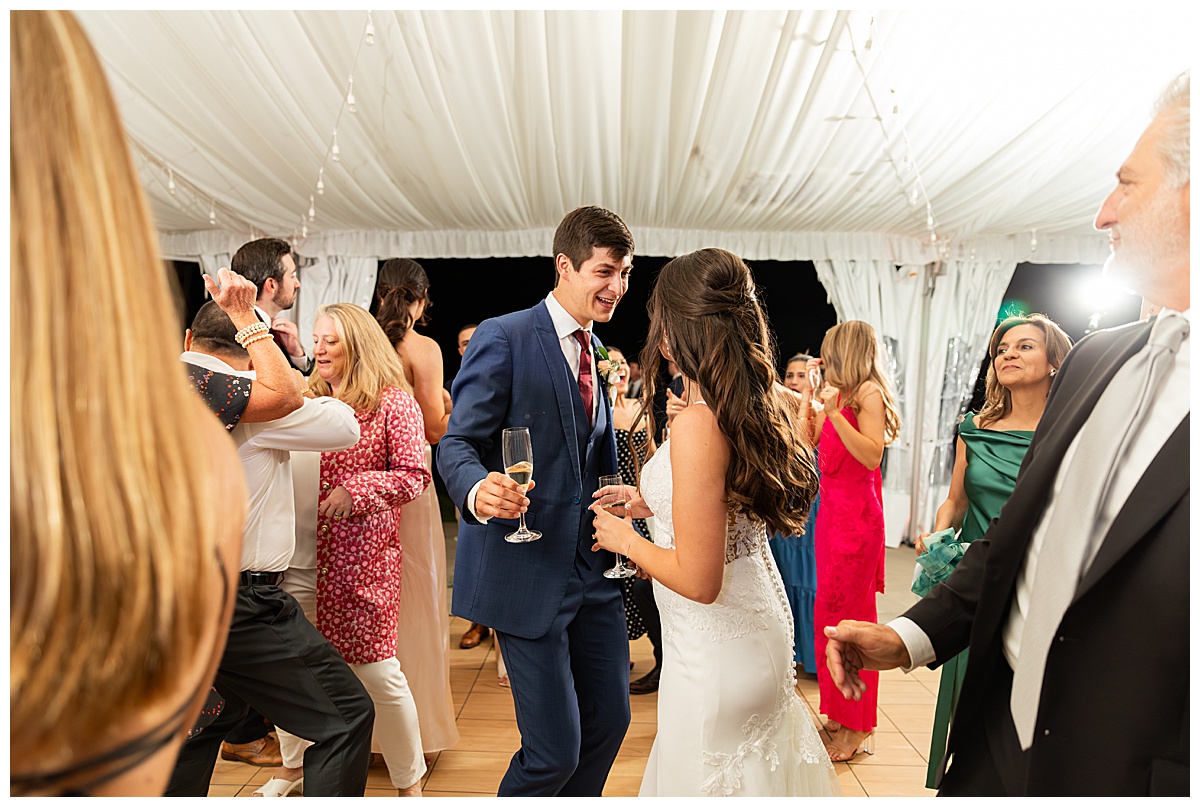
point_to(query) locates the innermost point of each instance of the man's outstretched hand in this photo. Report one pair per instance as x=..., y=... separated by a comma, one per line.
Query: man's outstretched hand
x=856, y=646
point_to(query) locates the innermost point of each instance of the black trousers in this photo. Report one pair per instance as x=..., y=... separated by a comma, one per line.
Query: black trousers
x=276, y=661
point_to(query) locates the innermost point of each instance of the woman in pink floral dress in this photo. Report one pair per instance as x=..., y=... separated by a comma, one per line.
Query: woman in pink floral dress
x=361, y=493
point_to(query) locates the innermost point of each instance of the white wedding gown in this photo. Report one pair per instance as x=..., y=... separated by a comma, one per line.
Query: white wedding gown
x=729, y=720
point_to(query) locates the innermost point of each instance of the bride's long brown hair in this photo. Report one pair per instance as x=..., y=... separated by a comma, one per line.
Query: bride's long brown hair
x=706, y=306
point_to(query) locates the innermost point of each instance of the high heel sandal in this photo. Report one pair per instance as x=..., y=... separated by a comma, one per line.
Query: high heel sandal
x=281, y=788
x=865, y=746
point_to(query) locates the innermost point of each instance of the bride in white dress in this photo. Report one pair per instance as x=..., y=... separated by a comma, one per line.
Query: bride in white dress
x=732, y=471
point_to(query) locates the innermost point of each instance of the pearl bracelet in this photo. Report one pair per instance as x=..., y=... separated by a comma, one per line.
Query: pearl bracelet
x=245, y=343
x=244, y=334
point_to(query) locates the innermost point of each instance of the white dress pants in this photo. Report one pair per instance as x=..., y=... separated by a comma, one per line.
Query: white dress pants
x=397, y=730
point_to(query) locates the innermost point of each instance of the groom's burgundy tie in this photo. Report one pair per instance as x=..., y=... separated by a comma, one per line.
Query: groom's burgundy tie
x=585, y=371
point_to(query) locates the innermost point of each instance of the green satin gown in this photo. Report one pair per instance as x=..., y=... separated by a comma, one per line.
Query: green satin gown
x=993, y=459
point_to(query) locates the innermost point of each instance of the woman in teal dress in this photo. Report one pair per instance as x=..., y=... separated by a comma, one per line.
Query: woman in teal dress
x=794, y=554
x=1025, y=354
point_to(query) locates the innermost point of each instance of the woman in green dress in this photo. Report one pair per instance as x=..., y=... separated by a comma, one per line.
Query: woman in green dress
x=1025, y=354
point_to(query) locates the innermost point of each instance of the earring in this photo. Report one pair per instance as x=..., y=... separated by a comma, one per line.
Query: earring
x=1053, y=371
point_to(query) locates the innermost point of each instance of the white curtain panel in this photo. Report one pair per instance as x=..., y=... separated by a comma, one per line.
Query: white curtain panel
x=966, y=300
x=331, y=279
x=209, y=263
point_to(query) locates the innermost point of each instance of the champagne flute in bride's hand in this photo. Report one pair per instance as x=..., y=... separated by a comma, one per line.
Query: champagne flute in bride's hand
x=518, y=464
x=617, y=508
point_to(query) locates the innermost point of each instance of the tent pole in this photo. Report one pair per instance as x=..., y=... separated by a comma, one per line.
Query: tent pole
x=929, y=274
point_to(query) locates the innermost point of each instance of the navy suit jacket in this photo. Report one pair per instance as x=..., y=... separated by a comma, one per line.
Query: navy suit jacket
x=514, y=374
x=1113, y=717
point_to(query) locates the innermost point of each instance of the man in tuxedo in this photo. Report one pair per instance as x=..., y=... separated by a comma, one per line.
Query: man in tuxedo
x=560, y=623
x=269, y=265
x=1089, y=559
x=668, y=401
x=634, y=387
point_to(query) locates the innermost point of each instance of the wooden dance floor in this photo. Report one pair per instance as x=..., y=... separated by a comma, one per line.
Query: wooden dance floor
x=489, y=737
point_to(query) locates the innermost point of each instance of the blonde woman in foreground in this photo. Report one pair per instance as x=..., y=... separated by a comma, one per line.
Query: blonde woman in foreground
x=127, y=498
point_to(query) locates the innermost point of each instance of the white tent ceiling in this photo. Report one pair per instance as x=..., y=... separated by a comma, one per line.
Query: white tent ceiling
x=777, y=134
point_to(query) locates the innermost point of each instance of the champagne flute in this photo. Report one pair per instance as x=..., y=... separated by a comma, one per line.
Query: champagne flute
x=815, y=382
x=617, y=508
x=518, y=464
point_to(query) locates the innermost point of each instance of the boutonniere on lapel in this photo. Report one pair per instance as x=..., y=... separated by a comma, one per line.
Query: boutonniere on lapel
x=607, y=369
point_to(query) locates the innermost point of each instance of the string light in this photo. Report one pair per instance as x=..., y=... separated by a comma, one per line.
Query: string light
x=170, y=182
x=212, y=211
x=907, y=165
x=1033, y=241
x=334, y=152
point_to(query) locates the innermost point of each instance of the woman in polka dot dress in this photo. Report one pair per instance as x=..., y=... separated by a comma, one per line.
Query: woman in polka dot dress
x=641, y=614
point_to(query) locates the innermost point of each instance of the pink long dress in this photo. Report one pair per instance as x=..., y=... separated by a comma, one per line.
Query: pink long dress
x=850, y=565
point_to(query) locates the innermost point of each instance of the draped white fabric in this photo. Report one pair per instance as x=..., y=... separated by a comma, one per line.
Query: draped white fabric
x=331, y=279
x=963, y=311
x=210, y=263
x=760, y=131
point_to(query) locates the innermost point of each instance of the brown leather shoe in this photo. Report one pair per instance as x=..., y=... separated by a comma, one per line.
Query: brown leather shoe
x=646, y=684
x=263, y=752
x=474, y=635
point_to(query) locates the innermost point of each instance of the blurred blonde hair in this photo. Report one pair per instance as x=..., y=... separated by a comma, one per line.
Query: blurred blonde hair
x=371, y=361
x=115, y=580
x=851, y=355
x=998, y=398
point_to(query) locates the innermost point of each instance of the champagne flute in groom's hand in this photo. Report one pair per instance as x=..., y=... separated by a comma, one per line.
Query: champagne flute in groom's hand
x=518, y=464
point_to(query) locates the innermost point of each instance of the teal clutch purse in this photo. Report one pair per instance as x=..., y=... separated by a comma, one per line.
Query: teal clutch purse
x=943, y=551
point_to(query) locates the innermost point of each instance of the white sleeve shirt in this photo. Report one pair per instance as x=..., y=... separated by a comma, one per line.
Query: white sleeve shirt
x=1167, y=410
x=320, y=424
x=565, y=327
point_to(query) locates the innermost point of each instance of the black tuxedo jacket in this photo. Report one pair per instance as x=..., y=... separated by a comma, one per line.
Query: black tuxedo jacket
x=1113, y=714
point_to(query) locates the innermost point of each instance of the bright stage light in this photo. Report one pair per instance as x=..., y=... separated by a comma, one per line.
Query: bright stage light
x=1098, y=295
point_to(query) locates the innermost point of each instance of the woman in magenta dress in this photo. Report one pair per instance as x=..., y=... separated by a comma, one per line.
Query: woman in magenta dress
x=857, y=419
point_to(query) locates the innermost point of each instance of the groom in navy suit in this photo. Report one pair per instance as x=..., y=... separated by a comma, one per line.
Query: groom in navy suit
x=559, y=621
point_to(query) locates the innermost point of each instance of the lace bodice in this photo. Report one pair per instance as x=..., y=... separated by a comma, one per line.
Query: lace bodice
x=751, y=590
